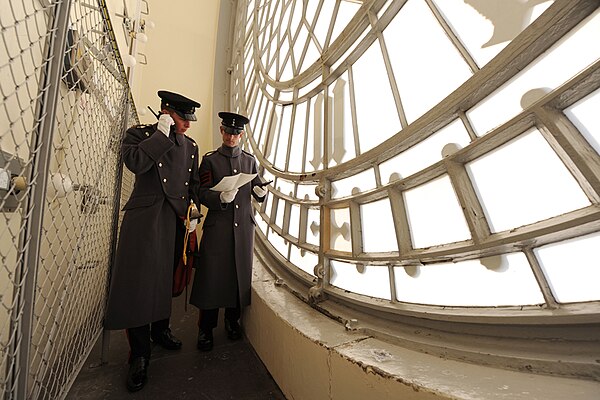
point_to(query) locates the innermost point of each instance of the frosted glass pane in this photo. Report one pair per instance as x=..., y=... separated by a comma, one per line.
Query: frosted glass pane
x=279, y=243
x=256, y=116
x=312, y=54
x=294, y=227
x=345, y=13
x=248, y=74
x=424, y=153
x=269, y=206
x=428, y=69
x=298, y=136
x=480, y=27
x=378, y=227
x=313, y=226
x=370, y=281
x=300, y=44
x=296, y=16
x=362, y=181
x=377, y=120
x=306, y=192
x=282, y=137
x=324, y=19
x=285, y=96
x=549, y=71
x=340, y=230
x=261, y=224
x=584, y=114
x=280, y=212
x=571, y=268
x=271, y=132
x=434, y=214
x=284, y=186
x=263, y=124
x=305, y=260
x=469, y=283
x=341, y=144
x=314, y=138
x=286, y=73
x=523, y=182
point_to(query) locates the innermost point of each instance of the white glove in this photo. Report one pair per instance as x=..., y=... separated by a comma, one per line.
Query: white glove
x=259, y=191
x=228, y=196
x=164, y=124
x=193, y=224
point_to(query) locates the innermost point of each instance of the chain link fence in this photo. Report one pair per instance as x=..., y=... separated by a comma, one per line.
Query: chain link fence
x=65, y=104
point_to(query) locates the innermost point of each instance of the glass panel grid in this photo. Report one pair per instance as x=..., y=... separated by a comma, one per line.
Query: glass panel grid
x=349, y=111
x=515, y=190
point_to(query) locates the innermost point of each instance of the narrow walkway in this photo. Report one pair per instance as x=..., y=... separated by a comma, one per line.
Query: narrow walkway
x=231, y=371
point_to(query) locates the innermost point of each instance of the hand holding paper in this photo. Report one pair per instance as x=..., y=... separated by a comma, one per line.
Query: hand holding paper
x=228, y=196
x=232, y=182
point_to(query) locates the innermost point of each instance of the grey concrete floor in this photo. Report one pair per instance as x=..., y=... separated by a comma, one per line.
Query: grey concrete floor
x=232, y=370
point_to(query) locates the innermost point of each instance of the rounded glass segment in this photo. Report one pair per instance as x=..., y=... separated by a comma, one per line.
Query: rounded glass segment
x=427, y=152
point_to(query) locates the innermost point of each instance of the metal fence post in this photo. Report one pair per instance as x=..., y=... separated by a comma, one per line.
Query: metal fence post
x=31, y=238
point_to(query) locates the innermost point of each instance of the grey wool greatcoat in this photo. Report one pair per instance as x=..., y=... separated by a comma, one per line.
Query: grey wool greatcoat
x=224, y=266
x=166, y=179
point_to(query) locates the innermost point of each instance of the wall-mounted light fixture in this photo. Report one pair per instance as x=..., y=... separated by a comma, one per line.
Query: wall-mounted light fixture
x=135, y=32
x=60, y=185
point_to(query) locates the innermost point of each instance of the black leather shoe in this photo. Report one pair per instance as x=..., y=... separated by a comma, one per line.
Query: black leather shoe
x=233, y=329
x=166, y=340
x=138, y=374
x=205, y=340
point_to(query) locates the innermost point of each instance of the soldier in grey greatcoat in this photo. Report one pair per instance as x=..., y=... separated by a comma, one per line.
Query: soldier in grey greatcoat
x=224, y=270
x=165, y=163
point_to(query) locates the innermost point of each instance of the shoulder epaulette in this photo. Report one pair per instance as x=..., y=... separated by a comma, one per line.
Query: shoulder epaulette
x=250, y=154
x=209, y=153
x=148, y=129
x=190, y=139
x=141, y=126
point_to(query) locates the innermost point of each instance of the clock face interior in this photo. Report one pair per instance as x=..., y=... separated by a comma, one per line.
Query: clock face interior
x=407, y=134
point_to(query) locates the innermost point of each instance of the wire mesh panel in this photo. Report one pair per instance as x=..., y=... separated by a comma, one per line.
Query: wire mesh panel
x=65, y=103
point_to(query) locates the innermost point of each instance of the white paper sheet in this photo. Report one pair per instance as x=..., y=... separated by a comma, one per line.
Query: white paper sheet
x=232, y=182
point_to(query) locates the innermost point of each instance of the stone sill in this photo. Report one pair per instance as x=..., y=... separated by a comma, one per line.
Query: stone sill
x=313, y=357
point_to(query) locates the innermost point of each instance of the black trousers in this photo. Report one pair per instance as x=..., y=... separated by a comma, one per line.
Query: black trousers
x=208, y=318
x=139, y=337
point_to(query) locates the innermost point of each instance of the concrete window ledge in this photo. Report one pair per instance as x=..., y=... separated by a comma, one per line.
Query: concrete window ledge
x=313, y=357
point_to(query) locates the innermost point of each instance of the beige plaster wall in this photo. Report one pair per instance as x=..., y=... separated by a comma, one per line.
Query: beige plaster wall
x=180, y=54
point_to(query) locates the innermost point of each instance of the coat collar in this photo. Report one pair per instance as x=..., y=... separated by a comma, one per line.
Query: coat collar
x=178, y=139
x=230, y=152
